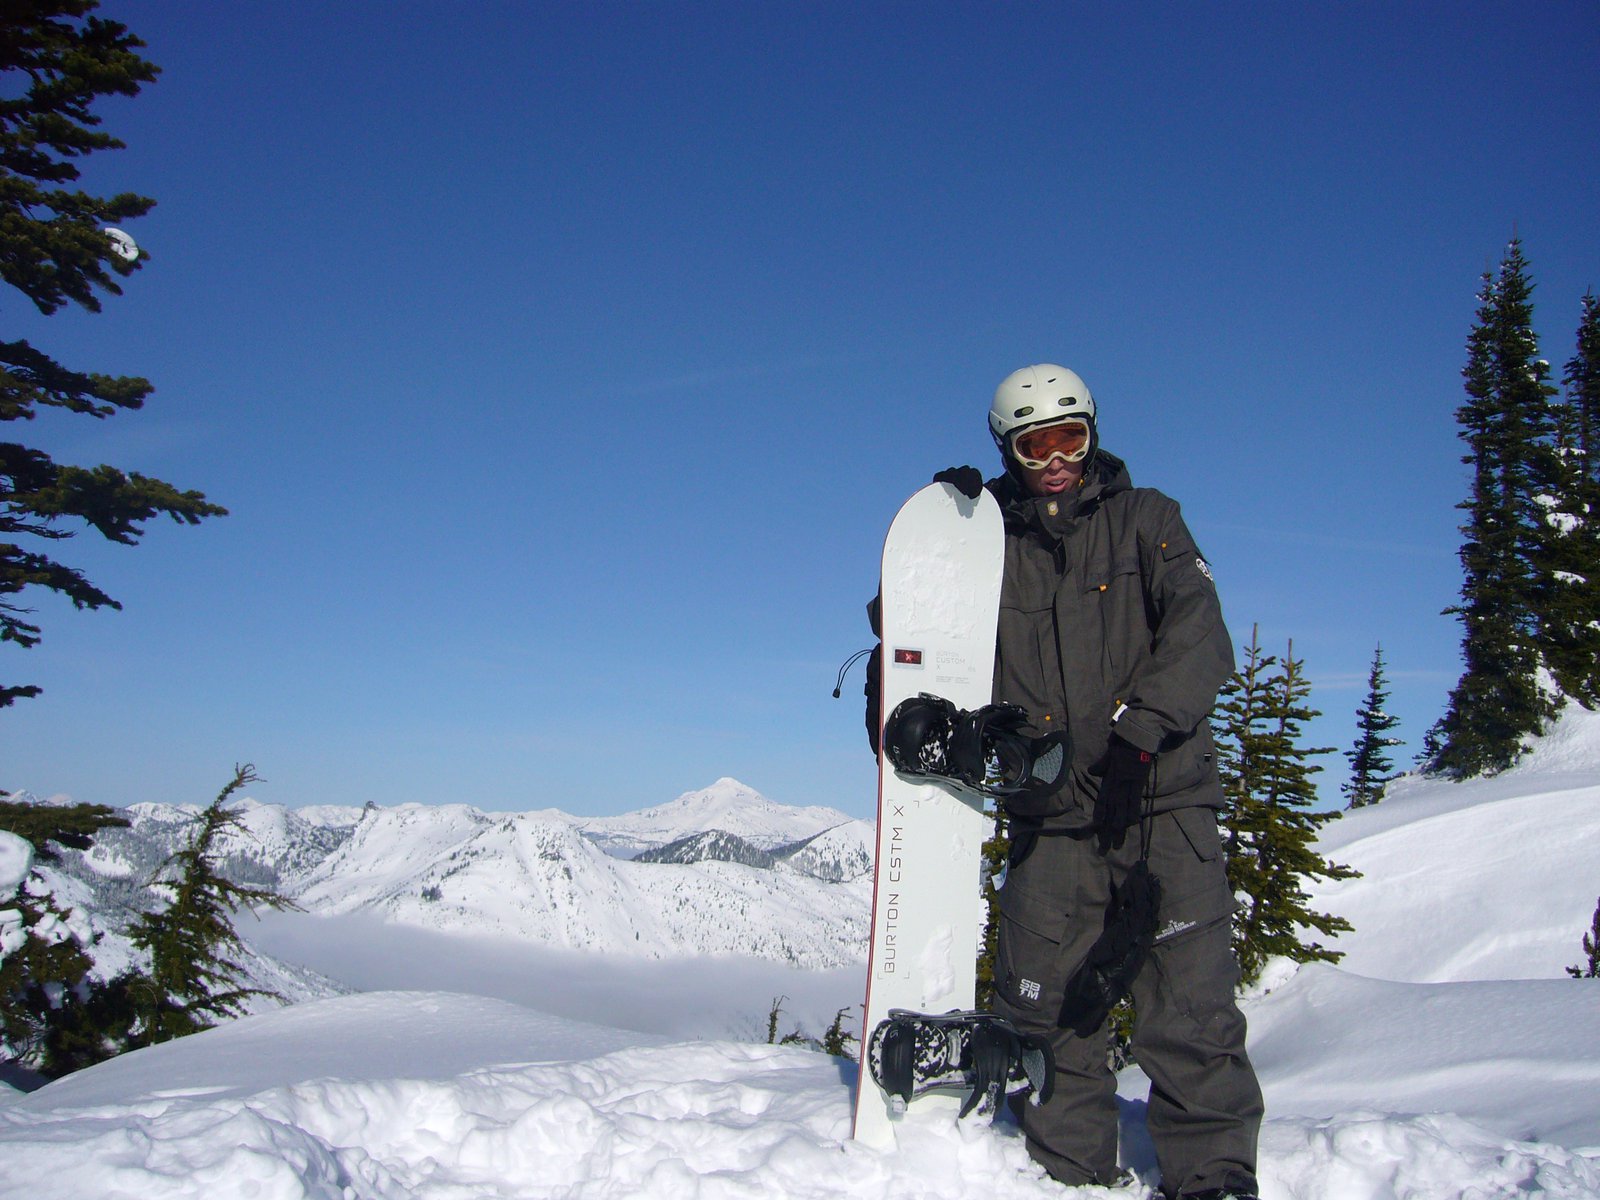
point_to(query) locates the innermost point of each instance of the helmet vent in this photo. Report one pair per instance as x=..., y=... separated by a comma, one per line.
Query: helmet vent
x=1024, y=411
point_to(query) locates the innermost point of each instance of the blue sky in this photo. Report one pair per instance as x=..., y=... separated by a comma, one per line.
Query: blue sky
x=563, y=364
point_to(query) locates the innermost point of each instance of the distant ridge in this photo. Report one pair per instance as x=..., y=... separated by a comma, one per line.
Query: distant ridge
x=717, y=871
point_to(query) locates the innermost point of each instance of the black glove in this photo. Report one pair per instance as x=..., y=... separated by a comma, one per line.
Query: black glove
x=872, y=689
x=1117, y=807
x=1117, y=956
x=967, y=480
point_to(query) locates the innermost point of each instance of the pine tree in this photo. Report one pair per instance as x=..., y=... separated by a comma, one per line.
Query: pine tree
x=58, y=246
x=1236, y=726
x=1370, y=768
x=1590, y=968
x=996, y=852
x=836, y=1039
x=1267, y=782
x=55, y=1017
x=192, y=942
x=1505, y=421
x=1567, y=579
x=1582, y=378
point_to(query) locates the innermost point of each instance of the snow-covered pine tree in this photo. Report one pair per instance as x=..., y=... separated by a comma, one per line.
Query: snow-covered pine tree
x=1505, y=420
x=1266, y=776
x=55, y=1017
x=1370, y=767
x=1567, y=576
x=192, y=942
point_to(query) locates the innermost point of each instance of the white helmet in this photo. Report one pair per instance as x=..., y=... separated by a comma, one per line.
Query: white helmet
x=1037, y=395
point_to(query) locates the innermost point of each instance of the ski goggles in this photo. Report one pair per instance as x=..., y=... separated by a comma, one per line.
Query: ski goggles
x=1068, y=439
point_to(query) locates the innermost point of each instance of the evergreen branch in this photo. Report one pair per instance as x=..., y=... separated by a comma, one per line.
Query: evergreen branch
x=30, y=378
x=72, y=826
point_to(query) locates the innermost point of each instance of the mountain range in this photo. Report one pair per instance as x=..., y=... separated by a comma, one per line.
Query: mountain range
x=719, y=871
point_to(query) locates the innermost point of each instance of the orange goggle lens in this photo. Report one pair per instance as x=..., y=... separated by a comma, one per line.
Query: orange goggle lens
x=1034, y=448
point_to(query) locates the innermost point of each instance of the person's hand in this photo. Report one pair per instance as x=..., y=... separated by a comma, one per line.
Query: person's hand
x=966, y=480
x=1121, y=798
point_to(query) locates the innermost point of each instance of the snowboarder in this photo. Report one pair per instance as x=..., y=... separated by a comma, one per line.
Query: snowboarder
x=1111, y=631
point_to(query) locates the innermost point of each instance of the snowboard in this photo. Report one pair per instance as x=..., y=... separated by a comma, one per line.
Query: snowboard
x=940, y=603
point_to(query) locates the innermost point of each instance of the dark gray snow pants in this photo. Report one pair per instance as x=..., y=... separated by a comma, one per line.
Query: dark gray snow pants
x=1205, y=1104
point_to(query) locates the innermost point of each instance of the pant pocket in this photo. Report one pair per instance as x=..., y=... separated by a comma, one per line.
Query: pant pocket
x=1029, y=969
x=1186, y=855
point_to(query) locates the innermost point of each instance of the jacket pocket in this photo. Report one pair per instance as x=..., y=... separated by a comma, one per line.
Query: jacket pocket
x=1115, y=585
x=1026, y=663
x=1028, y=970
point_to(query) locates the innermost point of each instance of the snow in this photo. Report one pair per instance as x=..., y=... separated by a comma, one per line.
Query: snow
x=1447, y=1058
x=1430, y=908
x=122, y=244
x=16, y=860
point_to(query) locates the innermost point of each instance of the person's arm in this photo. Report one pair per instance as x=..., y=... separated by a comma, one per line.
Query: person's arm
x=1191, y=653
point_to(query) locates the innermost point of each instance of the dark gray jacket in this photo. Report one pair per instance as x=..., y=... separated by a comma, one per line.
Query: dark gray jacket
x=1109, y=620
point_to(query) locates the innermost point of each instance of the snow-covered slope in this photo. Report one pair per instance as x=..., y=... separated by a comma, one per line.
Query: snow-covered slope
x=273, y=842
x=841, y=853
x=1487, y=879
x=1394, y=1088
x=1503, y=1054
x=433, y=1096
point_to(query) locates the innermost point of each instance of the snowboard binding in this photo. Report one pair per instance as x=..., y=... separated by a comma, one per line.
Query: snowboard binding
x=984, y=750
x=912, y=1054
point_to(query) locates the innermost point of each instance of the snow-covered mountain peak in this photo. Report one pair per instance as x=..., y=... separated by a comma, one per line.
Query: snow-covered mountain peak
x=726, y=805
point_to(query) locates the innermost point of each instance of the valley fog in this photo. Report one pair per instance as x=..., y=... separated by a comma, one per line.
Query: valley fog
x=701, y=997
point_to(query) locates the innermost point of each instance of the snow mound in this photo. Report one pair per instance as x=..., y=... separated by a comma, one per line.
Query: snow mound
x=364, y=1105
x=16, y=860
x=433, y=1096
x=1488, y=879
x=412, y=1035
x=1414, y=1158
x=1570, y=746
x=1499, y=1054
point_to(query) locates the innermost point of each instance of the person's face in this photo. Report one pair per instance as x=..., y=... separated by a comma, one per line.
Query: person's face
x=1056, y=477
x=1052, y=457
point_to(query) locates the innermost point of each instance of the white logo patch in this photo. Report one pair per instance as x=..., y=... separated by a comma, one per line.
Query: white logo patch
x=1029, y=989
x=1205, y=568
